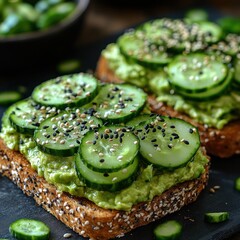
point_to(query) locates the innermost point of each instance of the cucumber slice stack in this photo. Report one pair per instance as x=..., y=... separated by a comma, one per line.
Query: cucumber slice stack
x=198, y=76
x=154, y=43
x=107, y=158
x=109, y=138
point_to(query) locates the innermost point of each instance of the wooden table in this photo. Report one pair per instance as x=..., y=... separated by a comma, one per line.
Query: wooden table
x=106, y=17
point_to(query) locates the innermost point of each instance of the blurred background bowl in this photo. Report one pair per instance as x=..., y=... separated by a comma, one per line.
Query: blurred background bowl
x=26, y=51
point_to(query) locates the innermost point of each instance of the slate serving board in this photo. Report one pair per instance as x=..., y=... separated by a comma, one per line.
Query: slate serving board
x=14, y=204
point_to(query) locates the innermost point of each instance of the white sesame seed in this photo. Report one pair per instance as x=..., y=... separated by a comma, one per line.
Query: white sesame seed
x=67, y=235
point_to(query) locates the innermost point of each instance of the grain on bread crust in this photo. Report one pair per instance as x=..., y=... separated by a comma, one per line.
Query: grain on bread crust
x=83, y=216
x=222, y=143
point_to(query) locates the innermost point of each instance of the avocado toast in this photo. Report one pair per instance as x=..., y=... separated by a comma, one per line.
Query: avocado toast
x=190, y=70
x=79, y=158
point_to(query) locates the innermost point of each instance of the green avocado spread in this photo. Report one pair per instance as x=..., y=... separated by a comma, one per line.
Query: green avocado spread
x=60, y=171
x=214, y=113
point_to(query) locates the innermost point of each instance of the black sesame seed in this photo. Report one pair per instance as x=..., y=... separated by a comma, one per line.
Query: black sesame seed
x=128, y=99
x=146, y=127
x=77, y=141
x=186, y=142
x=154, y=130
x=101, y=160
x=191, y=130
x=143, y=138
x=172, y=126
x=169, y=146
x=106, y=136
x=154, y=140
x=121, y=135
x=45, y=127
x=115, y=89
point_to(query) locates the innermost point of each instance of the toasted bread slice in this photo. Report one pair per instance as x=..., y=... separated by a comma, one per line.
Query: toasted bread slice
x=222, y=143
x=82, y=215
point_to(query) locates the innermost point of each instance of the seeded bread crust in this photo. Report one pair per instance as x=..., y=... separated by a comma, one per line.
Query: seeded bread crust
x=82, y=215
x=222, y=143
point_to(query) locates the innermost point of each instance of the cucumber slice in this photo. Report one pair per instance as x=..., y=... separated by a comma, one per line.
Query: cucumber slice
x=109, y=149
x=169, y=230
x=27, y=115
x=216, y=217
x=116, y=103
x=210, y=31
x=157, y=31
x=29, y=229
x=167, y=142
x=167, y=34
x=66, y=91
x=61, y=135
x=107, y=181
x=142, y=51
x=196, y=73
x=212, y=92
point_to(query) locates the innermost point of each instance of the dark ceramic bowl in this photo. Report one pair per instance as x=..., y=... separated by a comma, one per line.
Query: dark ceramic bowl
x=26, y=51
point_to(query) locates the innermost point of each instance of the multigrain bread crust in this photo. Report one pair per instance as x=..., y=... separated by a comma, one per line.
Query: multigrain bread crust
x=223, y=142
x=83, y=216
